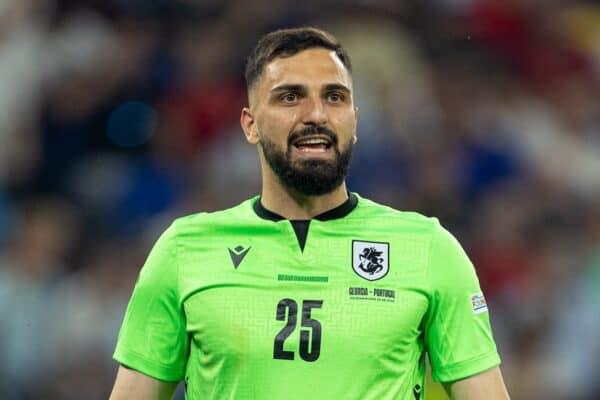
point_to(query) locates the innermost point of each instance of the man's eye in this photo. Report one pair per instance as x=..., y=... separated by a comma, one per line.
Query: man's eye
x=289, y=97
x=335, y=97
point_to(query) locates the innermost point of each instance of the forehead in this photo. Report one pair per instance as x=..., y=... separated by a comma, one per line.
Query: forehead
x=315, y=66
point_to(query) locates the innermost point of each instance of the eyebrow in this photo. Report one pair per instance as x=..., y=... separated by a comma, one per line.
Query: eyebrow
x=337, y=86
x=289, y=88
x=302, y=88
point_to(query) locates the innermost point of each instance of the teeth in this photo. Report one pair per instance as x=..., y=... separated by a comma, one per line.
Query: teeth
x=312, y=141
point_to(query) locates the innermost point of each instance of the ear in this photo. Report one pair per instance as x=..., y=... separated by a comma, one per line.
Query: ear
x=248, y=124
x=355, y=138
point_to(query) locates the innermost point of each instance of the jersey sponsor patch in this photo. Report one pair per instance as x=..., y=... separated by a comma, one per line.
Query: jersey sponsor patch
x=370, y=260
x=478, y=303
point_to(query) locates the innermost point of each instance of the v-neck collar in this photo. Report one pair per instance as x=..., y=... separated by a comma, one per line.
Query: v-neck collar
x=301, y=226
x=335, y=213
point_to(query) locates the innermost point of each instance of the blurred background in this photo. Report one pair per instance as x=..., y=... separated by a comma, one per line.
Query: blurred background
x=117, y=116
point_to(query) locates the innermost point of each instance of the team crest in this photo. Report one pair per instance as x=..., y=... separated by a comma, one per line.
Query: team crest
x=370, y=260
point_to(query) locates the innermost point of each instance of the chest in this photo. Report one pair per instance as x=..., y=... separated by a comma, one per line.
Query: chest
x=259, y=297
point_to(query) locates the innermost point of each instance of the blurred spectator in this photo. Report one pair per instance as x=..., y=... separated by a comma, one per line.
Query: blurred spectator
x=23, y=29
x=31, y=269
x=117, y=116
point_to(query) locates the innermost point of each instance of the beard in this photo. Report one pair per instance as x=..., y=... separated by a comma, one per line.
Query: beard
x=310, y=177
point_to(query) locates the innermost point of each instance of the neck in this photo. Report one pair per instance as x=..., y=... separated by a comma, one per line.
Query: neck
x=296, y=206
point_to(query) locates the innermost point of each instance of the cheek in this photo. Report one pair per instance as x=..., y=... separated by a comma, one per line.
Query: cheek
x=276, y=126
x=345, y=126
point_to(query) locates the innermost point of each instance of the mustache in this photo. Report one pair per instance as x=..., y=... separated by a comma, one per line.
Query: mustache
x=313, y=130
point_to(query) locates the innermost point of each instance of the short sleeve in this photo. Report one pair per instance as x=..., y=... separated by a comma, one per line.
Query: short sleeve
x=458, y=335
x=153, y=338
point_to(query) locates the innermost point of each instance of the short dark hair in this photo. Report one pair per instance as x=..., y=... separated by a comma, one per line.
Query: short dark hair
x=286, y=43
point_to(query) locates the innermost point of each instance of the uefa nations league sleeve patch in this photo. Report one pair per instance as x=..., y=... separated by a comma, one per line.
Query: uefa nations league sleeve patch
x=370, y=260
x=478, y=303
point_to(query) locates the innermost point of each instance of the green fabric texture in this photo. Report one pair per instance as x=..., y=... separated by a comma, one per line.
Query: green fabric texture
x=286, y=323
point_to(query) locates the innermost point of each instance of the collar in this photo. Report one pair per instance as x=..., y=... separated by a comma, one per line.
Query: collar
x=338, y=212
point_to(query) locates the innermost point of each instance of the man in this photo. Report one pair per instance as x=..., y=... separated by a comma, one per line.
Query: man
x=307, y=291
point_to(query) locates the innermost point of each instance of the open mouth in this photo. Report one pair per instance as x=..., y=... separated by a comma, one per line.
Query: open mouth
x=313, y=144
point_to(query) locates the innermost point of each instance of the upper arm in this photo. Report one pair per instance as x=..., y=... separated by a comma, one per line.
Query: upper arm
x=153, y=337
x=487, y=385
x=133, y=385
x=458, y=335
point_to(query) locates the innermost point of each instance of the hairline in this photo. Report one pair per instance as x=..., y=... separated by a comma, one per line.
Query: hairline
x=269, y=61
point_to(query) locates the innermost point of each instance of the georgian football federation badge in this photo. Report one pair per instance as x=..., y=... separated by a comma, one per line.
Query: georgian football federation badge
x=370, y=260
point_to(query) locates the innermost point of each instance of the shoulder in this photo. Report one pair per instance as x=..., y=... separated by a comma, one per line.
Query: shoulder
x=369, y=209
x=203, y=221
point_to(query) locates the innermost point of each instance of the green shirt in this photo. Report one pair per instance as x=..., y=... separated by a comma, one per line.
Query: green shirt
x=243, y=304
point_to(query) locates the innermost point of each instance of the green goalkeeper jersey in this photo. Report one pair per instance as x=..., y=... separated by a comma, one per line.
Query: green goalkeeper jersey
x=244, y=304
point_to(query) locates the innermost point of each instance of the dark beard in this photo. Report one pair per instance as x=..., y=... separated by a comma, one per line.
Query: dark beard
x=312, y=177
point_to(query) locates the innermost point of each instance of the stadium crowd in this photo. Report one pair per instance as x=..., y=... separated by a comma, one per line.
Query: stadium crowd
x=117, y=116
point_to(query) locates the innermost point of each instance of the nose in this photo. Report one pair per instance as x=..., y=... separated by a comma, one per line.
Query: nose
x=314, y=113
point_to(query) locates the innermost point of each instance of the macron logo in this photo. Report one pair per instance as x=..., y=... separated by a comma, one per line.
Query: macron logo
x=238, y=254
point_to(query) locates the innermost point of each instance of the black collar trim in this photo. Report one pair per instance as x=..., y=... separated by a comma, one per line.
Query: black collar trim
x=338, y=212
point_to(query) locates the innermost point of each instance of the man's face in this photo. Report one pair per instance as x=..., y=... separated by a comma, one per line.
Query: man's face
x=303, y=119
